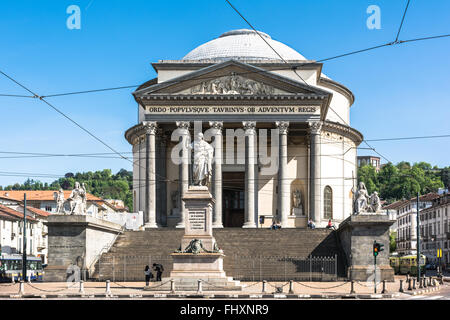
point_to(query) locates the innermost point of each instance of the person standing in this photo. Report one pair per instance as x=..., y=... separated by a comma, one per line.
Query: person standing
x=148, y=275
x=159, y=270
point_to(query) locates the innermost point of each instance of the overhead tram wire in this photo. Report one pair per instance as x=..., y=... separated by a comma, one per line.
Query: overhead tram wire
x=293, y=69
x=68, y=118
x=403, y=19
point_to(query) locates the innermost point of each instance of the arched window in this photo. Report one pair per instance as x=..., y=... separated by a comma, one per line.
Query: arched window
x=328, y=203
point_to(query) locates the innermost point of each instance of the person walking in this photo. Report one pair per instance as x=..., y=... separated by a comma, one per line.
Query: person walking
x=159, y=270
x=148, y=275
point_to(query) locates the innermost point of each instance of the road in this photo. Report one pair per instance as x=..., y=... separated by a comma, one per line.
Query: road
x=442, y=294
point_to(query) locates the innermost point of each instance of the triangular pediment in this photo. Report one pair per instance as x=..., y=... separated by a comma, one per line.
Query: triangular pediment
x=231, y=78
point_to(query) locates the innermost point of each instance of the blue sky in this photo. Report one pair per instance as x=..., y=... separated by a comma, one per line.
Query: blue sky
x=400, y=91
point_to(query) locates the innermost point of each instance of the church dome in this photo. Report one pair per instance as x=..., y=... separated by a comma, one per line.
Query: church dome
x=243, y=44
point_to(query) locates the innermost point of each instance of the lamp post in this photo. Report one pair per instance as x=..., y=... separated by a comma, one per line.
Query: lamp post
x=418, y=238
x=24, y=252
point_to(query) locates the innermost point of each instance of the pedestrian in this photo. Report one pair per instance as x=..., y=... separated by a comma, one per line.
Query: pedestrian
x=311, y=224
x=330, y=225
x=159, y=270
x=148, y=275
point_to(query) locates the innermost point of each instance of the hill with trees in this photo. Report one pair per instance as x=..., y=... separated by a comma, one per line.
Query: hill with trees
x=102, y=184
x=403, y=180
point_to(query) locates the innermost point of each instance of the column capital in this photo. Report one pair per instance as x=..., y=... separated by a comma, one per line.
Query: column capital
x=183, y=125
x=217, y=125
x=282, y=126
x=150, y=127
x=249, y=127
x=315, y=126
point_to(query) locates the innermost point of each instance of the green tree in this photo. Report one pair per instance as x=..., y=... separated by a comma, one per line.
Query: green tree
x=392, y=241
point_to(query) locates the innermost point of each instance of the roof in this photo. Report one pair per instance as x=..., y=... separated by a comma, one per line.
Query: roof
x=424, y=198
x=243, y=44
x=38, y=212
x=40, y=195
x=11, y=212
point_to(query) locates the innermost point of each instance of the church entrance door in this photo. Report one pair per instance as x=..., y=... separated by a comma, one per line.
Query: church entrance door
x=233, y=199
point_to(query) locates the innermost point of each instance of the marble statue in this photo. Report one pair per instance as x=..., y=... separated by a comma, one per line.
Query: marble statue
x=76, y=200
x=362, y=198
x=84, y=198
x=365, y=203
x=297, y=205
x=59, y=198
x=202, y=164
x=375, y=203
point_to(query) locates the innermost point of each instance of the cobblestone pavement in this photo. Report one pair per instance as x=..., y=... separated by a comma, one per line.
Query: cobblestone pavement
x=254, y=289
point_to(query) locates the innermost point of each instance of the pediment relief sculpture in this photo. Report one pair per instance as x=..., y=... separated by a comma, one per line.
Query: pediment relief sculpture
x=233, y=85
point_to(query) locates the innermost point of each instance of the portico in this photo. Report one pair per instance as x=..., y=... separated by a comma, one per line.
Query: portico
x=272, y=134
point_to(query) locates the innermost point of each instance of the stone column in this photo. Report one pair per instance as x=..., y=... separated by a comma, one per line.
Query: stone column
x=161, y=191
x=183, y=126
x=150, y=176
x=217, y=174
x=250, y=160
x=314, y=172
x=283, y=182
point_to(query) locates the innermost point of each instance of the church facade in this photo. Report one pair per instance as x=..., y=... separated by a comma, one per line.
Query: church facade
x=283, y=147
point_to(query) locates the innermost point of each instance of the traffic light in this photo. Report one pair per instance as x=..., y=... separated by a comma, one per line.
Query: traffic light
x=377, y=248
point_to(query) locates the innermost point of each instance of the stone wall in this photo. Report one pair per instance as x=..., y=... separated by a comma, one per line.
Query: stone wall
x=76, y=240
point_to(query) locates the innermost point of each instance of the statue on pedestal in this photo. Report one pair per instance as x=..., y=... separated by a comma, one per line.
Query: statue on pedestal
x=375, y=203
x=59, y=198
x=77, y=200
x=362, y=198
x=202, y=164
x=365, y=203
x=297, y=204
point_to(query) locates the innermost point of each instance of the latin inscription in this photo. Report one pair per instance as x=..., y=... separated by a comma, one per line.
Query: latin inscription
x=234, y=109
x=197, y=220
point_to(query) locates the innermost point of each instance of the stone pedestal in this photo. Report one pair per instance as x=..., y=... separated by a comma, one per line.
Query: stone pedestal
x=357, y=234
x=198, y=257
x=76, y=240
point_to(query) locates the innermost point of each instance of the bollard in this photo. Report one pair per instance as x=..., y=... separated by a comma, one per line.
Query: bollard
x=424, y=282
x=420, y=283
x=21, y=288
x=414, y=283
x=352, y=288
x=172, y=286
x=434, y=282
x=108, y=287
x=429, y=281
x=291, y=286
x=199, y=290
x=12, y=279
x=401, y=286
x=384, y=287
x=81, y=286
x=264, y=286
x=409, y=284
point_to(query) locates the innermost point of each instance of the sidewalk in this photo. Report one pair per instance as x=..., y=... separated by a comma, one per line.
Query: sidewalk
x=301, y=290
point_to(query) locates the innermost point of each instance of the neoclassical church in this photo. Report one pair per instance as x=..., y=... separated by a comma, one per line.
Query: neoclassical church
x=283, y=149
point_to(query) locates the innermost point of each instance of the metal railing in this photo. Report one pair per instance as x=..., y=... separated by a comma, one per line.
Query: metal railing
x=245, y=268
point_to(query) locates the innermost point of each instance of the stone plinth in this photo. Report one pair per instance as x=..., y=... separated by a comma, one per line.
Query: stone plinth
x=76, y=240
x=202, y=261
x=357, y=234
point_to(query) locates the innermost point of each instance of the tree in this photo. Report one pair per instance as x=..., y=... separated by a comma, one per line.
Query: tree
x=392, y=241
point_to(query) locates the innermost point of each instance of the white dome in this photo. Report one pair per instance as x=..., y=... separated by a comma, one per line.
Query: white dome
x=243, y=44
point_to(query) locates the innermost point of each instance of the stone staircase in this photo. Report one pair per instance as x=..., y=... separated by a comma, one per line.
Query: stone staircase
x=251, y=254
